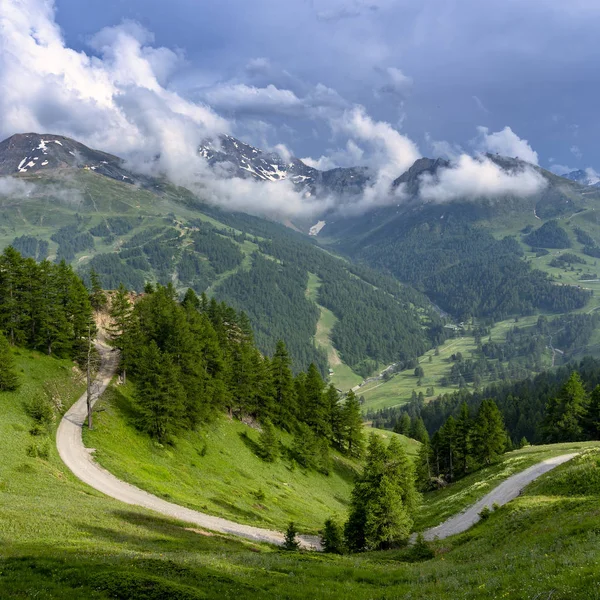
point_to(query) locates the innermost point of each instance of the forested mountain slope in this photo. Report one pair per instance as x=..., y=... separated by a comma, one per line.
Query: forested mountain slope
x=75, y=204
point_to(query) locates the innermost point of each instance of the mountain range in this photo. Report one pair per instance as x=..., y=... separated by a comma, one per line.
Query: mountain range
x=366, y=293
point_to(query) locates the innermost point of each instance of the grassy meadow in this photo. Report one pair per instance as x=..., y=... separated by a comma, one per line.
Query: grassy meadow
x=61, y=539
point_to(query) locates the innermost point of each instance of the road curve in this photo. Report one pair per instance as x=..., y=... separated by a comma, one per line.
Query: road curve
x=79, y=459
x=505, y=492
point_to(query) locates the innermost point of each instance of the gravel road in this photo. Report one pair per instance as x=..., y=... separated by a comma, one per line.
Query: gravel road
x=505, y=492
x=80, y=460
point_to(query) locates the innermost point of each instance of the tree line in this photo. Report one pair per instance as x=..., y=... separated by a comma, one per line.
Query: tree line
x=193, y=358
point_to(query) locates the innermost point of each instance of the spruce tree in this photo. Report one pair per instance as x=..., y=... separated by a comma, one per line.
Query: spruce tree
x=159, y=395
x=565, y=413
x=268, y=442
x=290, y=542
x=489, y=433
x=424, y=464
x=332, y=538
x=464, y=443
x=9, y=380
x=403, y=425
x=314, y=409
x=592, y=418
x=418, y=431
x=353, y=426
x=97, y=296
x=284, y=392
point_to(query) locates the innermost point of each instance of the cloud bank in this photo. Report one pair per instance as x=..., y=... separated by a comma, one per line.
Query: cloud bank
x=119, y=97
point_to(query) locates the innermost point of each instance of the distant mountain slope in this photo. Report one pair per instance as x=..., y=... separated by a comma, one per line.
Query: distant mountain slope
x=237, y=159
x=583, y=177
x=81, y=207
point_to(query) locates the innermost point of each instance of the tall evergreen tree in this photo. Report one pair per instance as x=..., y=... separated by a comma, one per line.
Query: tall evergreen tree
x=418, y=431
x=354, y=438
x=403, y=425
x=464, y=443
x=489, y=433
x=285, y=407
x=97, y=296
x=159, y=395
x=565, y=413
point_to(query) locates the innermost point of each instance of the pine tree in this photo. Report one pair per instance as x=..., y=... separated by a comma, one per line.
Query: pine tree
x=285, y=409
x=463, y=440
x=332, y=539
x=9, y=380
x=403, y=426
x=290, y=542
x=97, y=295
x=418, y=431
x=268, y=443
x=565, y=413
x=159, y=395
x=448, y=447
x=489, y=433
x=353, y=426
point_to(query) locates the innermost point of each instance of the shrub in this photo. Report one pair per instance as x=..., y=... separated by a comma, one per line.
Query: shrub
x=485, y=513
x=40, y=409
x=332, y=537
x=38, y=450
x=290, y=542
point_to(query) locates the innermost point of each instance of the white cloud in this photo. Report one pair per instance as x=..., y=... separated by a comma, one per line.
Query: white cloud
x=470, y=178
x=351, y=155
x=117, y=101
x=506, y=143
x=398, y=83
x=561, y=169
x=239, y=96
x=443, y=149
x=12, y=187
x=576, y=152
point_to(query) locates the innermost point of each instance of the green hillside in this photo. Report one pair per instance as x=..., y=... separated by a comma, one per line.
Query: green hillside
x=61, y=537
x=132, y=235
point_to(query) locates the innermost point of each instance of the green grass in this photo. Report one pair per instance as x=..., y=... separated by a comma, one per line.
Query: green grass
x=442, y=504
x=61, y=539
x=217, y=470
x=341, y=375
x=398, y=390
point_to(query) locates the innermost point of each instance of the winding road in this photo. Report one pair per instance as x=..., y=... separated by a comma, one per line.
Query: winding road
x=79, y=460
x=505, y=492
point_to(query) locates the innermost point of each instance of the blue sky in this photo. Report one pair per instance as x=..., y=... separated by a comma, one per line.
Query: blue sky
x=434, y=69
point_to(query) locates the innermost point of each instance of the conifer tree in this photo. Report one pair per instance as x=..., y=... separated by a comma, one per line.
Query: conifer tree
x=336, y=417
x=424, y=471
x=403, y=426
x=314, y=409
x=592, y=418
x=290, y=542
x=9, y=380
x=97, y=295
x=418, y=431
x=284, y=392
x=464, y=443
x=159, y=395
x=332, y=539
x=448, y=446
x=268, y=442
x=565, y=413
x=489, y=433
x=353, y=426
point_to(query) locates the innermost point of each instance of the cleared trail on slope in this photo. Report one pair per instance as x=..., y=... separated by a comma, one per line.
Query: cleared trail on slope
x=505, y=492
x=80, y=461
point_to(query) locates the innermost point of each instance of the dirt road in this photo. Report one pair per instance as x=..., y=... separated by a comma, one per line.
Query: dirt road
x=505, y=492
x=79, y=459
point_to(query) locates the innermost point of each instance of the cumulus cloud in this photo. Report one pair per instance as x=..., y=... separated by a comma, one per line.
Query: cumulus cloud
x=107, y=100
x=250, y=99
x=470, y=178
x=506, y=143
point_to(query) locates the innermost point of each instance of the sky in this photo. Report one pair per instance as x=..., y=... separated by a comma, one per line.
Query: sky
x=334, y=82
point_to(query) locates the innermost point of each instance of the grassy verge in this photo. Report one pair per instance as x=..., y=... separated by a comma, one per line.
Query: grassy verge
x=61, y=539
x=441, y=504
